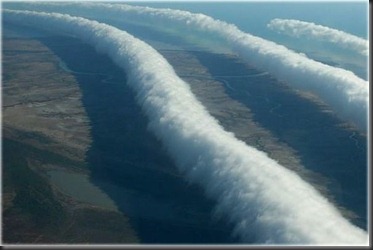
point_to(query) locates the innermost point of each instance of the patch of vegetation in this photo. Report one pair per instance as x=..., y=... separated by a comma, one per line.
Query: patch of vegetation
x=95, y=225
x=34, y=210
x=34, y=214
x=44, y=156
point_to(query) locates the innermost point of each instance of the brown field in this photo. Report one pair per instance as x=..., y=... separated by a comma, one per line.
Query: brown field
x=45, y=127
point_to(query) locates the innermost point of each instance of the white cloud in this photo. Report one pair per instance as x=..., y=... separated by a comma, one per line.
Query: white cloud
x=314, y=31
x=266, y=202
x=346, y=93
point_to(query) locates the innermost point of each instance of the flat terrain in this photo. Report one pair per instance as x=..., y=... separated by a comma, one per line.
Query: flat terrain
x=294, y=128
x=46, y=129
x=41, y=100
x=83, y=140
x=80, y=165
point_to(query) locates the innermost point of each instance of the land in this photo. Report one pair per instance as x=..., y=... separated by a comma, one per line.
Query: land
x=80, y=166
x=108, y=178
x=46, y=130
x=295, y=128
x=231, y=113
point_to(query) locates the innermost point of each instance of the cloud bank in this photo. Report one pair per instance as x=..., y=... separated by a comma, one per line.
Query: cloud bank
x=342, y=90
x=317, y=32
x=266, y=202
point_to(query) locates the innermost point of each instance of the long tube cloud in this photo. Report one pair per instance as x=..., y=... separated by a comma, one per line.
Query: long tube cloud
x=346, y=93
x=266, y=202
x=297, y=28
